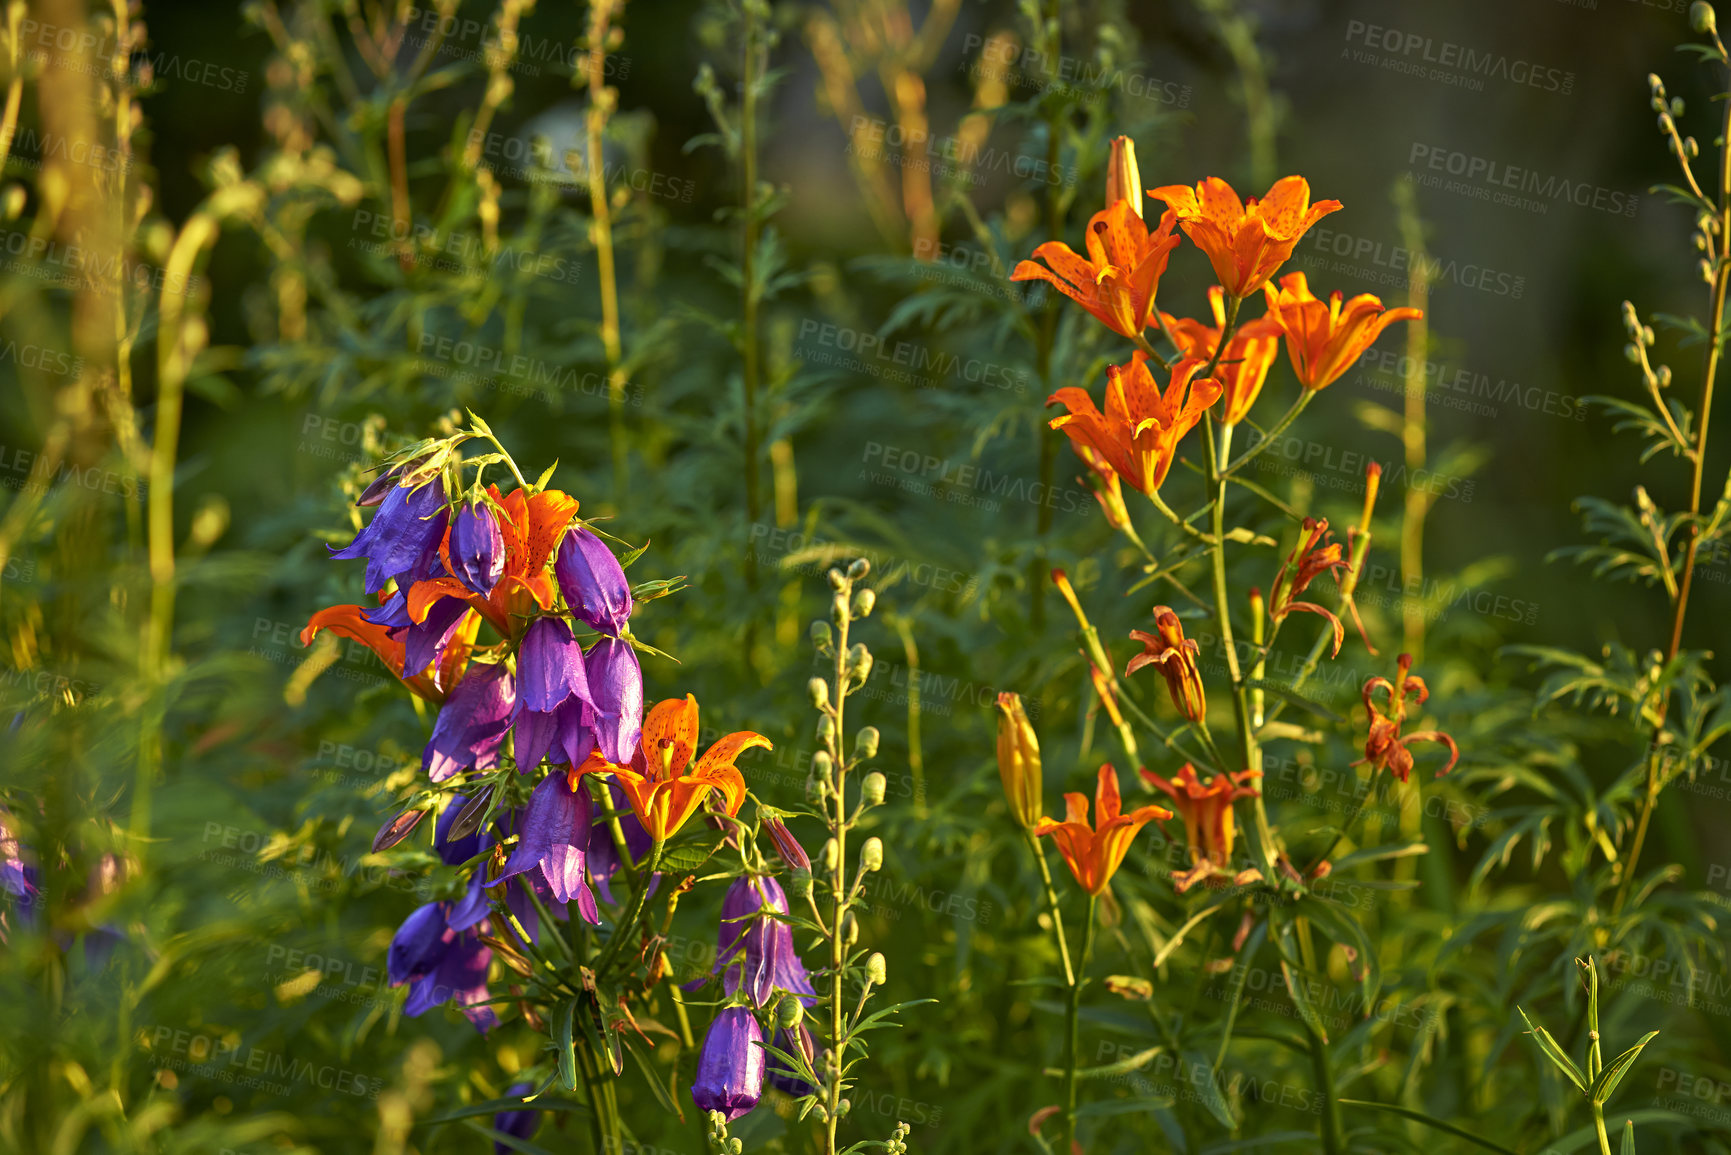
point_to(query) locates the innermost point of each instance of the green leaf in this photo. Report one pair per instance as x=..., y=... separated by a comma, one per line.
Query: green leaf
x=508, y=1103
x=1428, y=1121
x=1628, y=1137
x=1122, y=1067
x=690, y=856
x=1587, y=1138
x=663, y=1094
x=1614, y=1070
x=1555, y=1053
x=564, y=1046
x=1379, y=854
x=510, y=1141
x=546, y=476
x=1301, y=999
x=1209, y=1090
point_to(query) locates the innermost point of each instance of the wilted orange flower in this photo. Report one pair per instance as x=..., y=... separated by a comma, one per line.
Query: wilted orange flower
x=661, y=793
x=1138, y=434
x=1095, y=853
x=1019, y=760
x=1121, y=274
x=1246, y=242
x=1108, y=489
x=434, y=681
x=1175, y=654
x=1323, y=339
x=531, y=527
x=1208, y=822
x=1385, y=745
x=1249, y=355
x=1123, y=180
x=1307, y=561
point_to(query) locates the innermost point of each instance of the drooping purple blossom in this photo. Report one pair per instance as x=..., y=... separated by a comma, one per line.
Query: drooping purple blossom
x=553, y=697
x=403, y=536
x=730, y=1065
x=757, y=950
x=592, y=581
x=616, y=694
x=553, y=839
x=472, y=724
x=441, y=964
x=477, y=548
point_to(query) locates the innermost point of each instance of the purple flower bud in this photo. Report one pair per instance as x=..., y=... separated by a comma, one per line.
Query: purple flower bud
x=592, y=581
x=550, y=667
x=730, y=1065
x=757, y=950
x=781, y=1075
x=403, y=536
x=477, y=549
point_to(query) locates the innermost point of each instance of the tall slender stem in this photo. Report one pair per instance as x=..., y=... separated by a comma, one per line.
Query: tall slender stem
x=1715, y=347
x=600, y=107
x=1333, y=1140
x=1073, y=1028
x=1052, y=908
x=840, y=895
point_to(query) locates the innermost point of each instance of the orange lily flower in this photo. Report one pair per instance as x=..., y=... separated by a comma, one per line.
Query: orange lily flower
x=661, y=792
x=1323, y=339
x=1208, y=822
x=1385, y=745
x=1307, y=561
x=1019, y=760
x=531, y=527
x=1095, y=853
x=1121, y=274
x=1138, y=434
x=1246, y=242
x=1175, y=654
x=432, y=683
x=1249, y=355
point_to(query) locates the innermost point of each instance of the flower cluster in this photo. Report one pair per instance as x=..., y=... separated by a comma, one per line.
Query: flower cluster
x=512, y=616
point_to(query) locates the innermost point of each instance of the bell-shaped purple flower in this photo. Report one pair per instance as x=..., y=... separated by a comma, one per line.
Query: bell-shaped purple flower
x=552, y=693
x=517, y=1124
x=403, y=536
x=795, y=1042
x=472, y=724
x=592, y=581
x=616, y=694
x=730, y=1065
x=554, y=837
x=477, y=548
x=440, y=964
x=757, y=950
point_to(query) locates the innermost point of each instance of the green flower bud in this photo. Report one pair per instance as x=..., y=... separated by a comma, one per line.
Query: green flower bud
x=842, y=1108
x=837, y=580
x=859, y=663
x=865, y=743
x=789, y=1012
x=859, y=569
x=799, y=886
x=877, y=971
x=828, y=856
x=849, y=930
x=872, y=789
x=819, y=691
x=1702, y=19
x=863, y=603
x=871, y=855
x=822, y=638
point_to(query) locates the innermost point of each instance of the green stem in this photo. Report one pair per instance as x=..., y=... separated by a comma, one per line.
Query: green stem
x=628, y=925
x=1053, y=908
x=1273, y=434
x=1333, y=1142
x=1599, y=1125
x=1073, y=1030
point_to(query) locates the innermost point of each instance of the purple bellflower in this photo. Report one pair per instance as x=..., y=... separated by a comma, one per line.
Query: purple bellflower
x=616, y=695
x=477, y=548
x=553, y=839
x=473, y=723
x=404, y=535
x=730, y=1065
x=592, y=581
x=552, y=696
x=757, y=950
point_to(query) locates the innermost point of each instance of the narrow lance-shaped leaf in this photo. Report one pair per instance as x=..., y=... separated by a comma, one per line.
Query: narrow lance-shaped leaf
x=1606, y=1083
x=1555, y=1053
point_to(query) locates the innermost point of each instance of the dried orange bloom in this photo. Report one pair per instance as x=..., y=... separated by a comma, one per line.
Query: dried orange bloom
x=1248, y=357
x=1175, y=654
x=662, y=791
x=1121, y=274
x=1138, y=434
x=1095, y=853
x=1109, y=492
x=1323, y=339
x=1385, y=745
x=1123, y=180
x=1308, y=560
x=1208, y=822
x=1248, y=241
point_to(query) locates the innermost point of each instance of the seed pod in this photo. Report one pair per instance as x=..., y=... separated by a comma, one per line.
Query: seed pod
x=872, y=789
x=871, y=855
x=877, y=971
